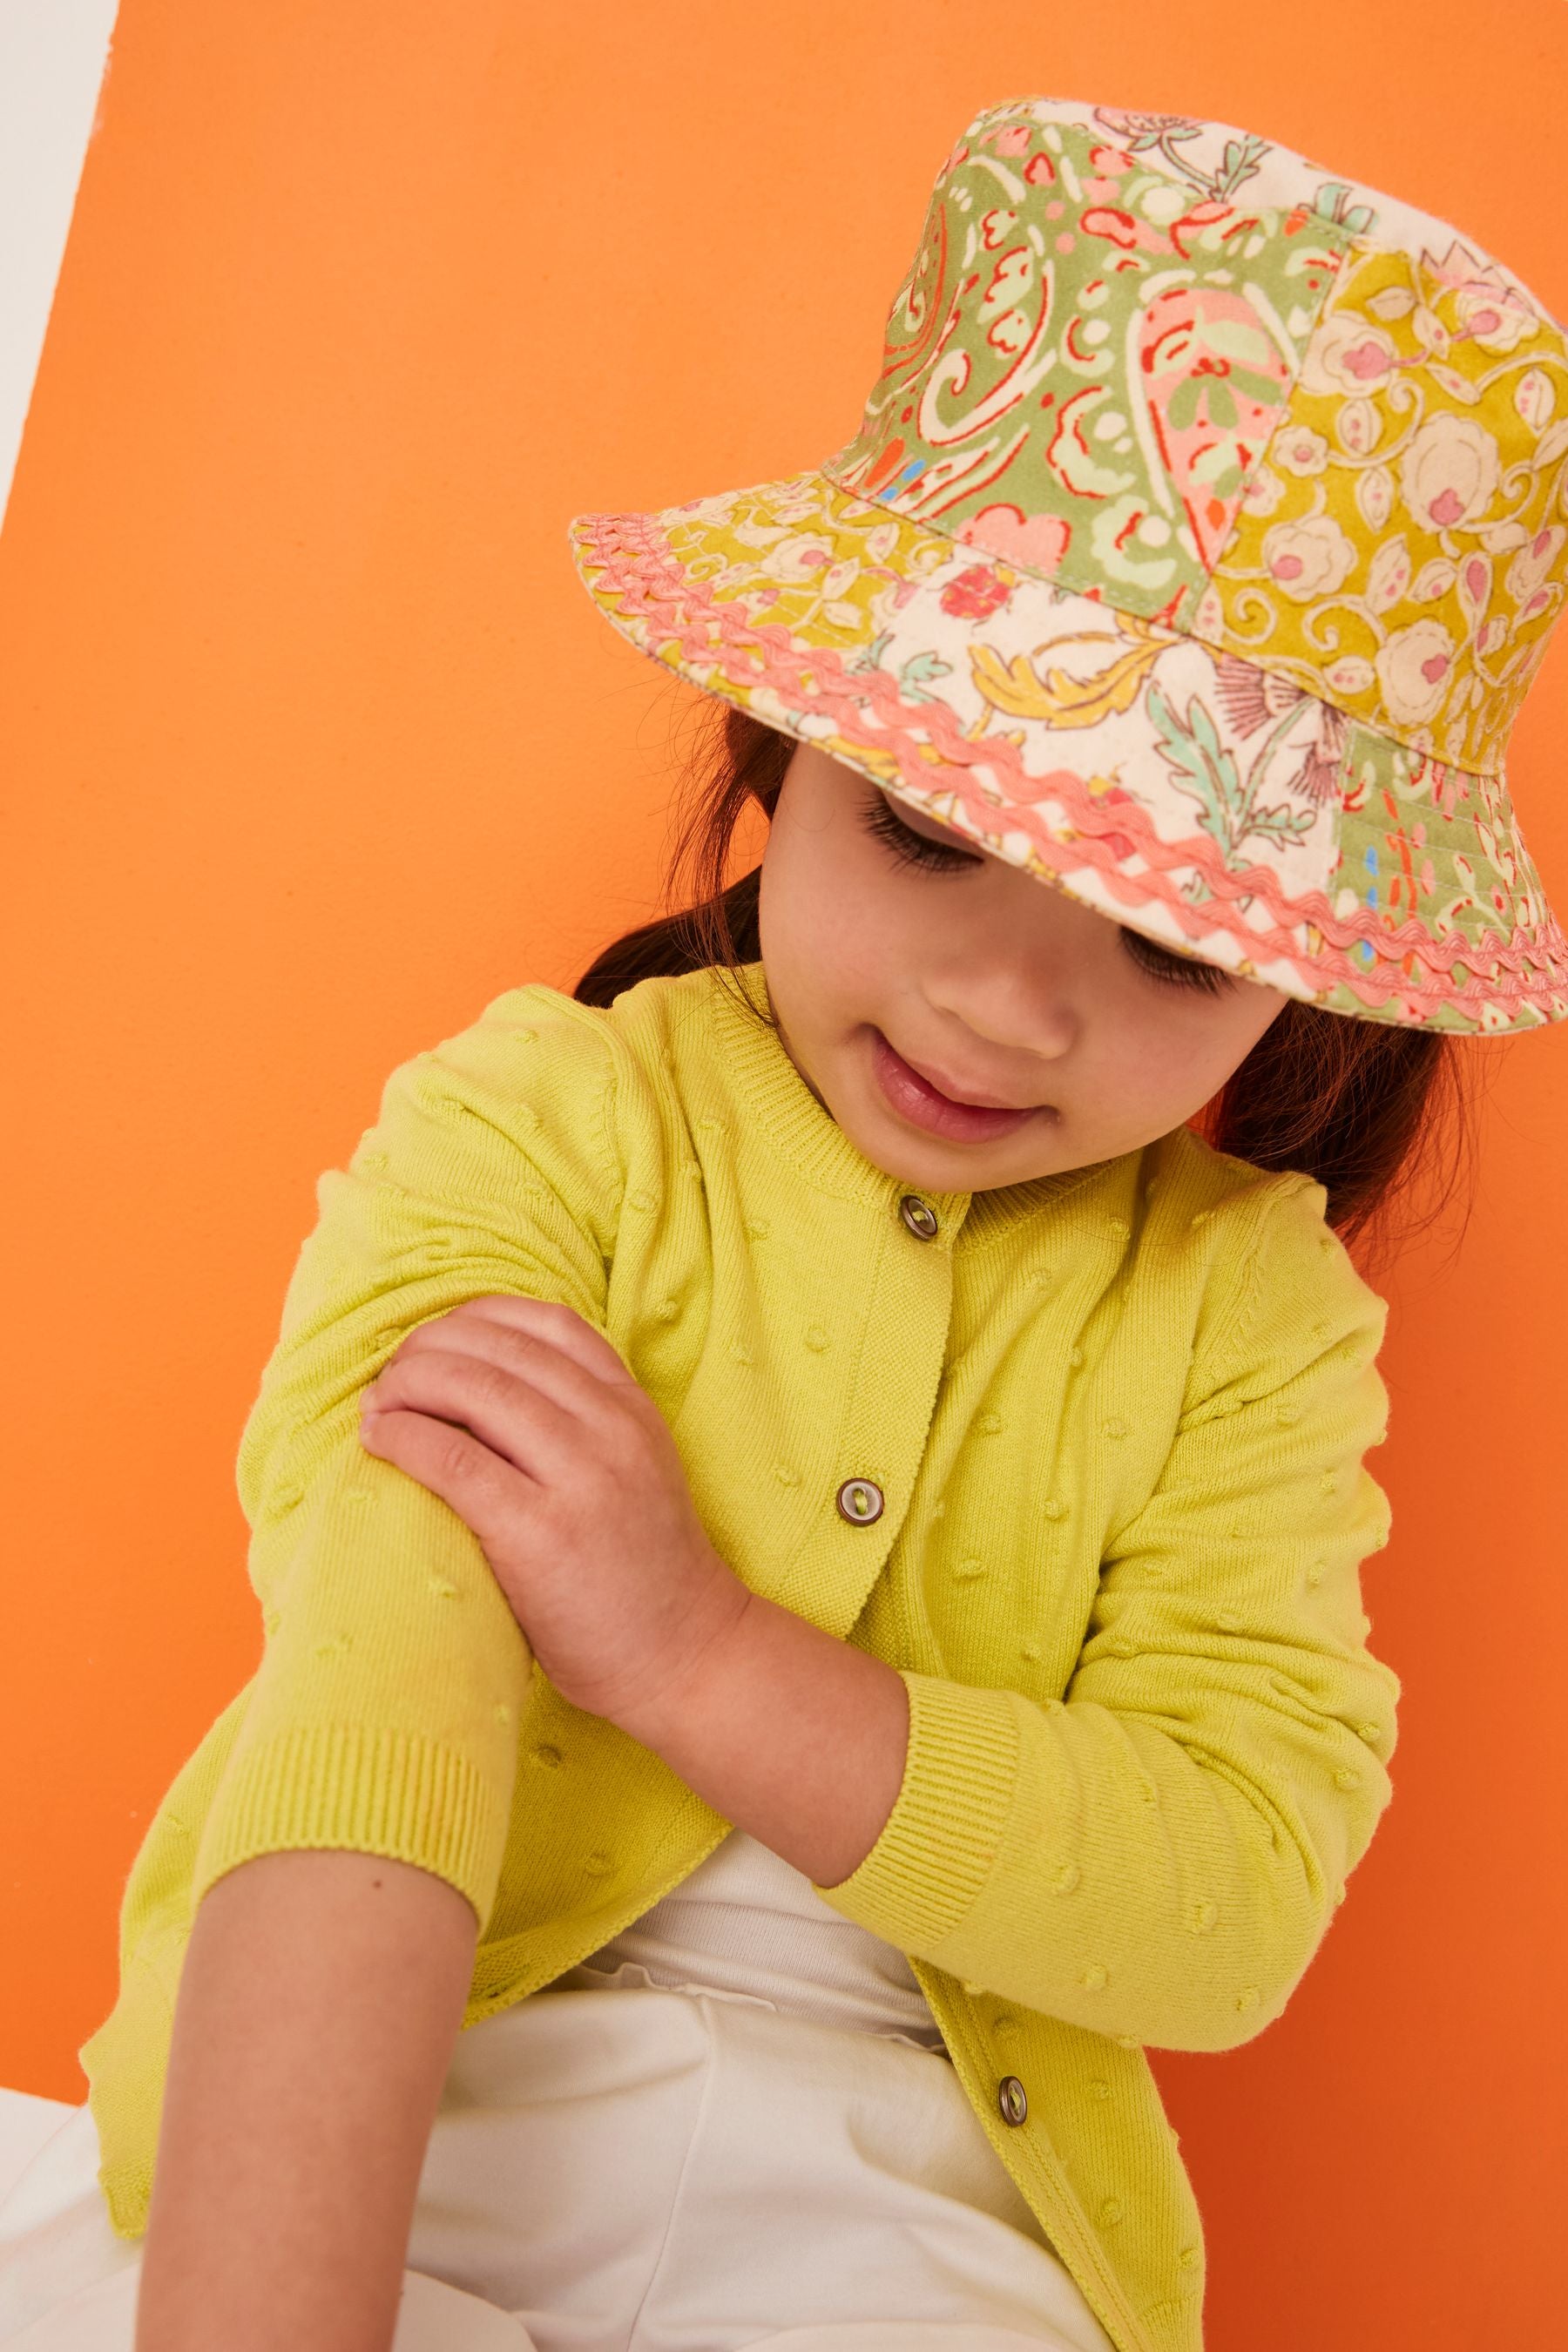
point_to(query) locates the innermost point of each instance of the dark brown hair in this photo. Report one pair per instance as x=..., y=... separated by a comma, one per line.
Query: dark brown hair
x=1364, y=1106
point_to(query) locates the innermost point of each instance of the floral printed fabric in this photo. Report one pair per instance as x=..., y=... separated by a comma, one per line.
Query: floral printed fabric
x=1202, y=534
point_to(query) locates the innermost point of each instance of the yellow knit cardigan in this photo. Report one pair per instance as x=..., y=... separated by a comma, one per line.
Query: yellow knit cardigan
x=1118, y=1417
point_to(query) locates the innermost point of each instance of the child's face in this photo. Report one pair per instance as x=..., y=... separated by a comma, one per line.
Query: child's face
x=995, y=985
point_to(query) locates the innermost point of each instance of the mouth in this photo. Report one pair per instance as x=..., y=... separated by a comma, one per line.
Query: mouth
x=919, y=1100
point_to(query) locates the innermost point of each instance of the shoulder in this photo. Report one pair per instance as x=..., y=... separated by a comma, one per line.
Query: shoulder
x=538, y=1045
x=647, y=1022
x=576, y=1086
x=1277, y=1276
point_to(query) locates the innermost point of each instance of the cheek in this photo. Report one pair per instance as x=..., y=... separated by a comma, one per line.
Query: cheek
x=1173, y=1058
x=828, y=929
x=1194, y=1048
x=793, y=914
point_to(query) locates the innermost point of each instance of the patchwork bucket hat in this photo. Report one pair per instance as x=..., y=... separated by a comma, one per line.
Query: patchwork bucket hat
x=1203, y=530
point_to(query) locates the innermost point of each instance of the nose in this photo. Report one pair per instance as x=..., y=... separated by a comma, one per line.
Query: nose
x=1016, y=976
x=1022, y=1004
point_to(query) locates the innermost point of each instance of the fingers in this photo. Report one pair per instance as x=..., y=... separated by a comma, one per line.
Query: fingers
x=537, y=1337
x=511, y=1413
x=527, y=1376
x=483, y=1489
x=561, y=1327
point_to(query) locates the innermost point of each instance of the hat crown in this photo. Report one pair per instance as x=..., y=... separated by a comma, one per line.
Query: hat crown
x=1175, y=366
x=1202, y=534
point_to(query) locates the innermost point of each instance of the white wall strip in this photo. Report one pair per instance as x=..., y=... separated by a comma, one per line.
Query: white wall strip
x=53, y=57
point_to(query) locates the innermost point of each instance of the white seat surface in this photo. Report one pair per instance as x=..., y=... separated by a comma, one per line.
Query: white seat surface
x=26, y=2121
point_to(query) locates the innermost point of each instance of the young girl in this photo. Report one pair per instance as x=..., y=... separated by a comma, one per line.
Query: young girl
x=808, y=1522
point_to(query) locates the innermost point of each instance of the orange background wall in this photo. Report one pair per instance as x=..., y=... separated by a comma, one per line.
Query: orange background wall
x=310, y=743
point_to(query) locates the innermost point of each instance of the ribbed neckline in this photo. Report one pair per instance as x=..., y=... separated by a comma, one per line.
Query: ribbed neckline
x=762, y=1071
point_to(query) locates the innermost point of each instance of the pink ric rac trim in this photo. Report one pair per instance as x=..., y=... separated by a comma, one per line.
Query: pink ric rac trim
x=659, y=596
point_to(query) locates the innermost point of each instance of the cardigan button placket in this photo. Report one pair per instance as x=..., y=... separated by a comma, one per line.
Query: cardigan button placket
x=1012, y=2098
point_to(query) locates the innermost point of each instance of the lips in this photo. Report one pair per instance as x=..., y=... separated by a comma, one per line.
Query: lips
x=922, y=1102
x=939, y=1085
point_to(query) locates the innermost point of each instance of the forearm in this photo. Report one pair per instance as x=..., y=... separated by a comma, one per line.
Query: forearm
x=796, y=1736
x=320, y=2000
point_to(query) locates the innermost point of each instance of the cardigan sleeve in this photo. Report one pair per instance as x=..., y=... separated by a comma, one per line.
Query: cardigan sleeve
x=1157, y=1854
x=383, y=1717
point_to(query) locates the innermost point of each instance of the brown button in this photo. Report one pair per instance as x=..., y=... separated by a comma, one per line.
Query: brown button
x=920, y=1217
x=1012, y=2100
x=859, y=1501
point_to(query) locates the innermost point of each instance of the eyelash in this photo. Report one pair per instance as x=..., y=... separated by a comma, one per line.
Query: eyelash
x=913, y=848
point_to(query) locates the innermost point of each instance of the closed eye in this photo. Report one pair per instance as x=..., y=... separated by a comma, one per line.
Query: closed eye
x=913, y=848
x=1180, y=971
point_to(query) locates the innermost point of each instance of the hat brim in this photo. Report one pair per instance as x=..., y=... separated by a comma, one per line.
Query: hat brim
x=1190, y=795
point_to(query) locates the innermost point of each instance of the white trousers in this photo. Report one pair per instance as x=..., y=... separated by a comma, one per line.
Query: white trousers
x=631, y=2168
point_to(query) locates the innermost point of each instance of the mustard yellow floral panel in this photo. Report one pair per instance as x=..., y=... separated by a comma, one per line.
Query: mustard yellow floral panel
x=1394, y=549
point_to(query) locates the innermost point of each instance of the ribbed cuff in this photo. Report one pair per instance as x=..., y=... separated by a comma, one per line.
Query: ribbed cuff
x=939, y=1844
x=369, y=1790
x=128, y=2194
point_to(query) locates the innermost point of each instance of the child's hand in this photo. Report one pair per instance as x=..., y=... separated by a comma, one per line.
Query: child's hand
x=572, y=1484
